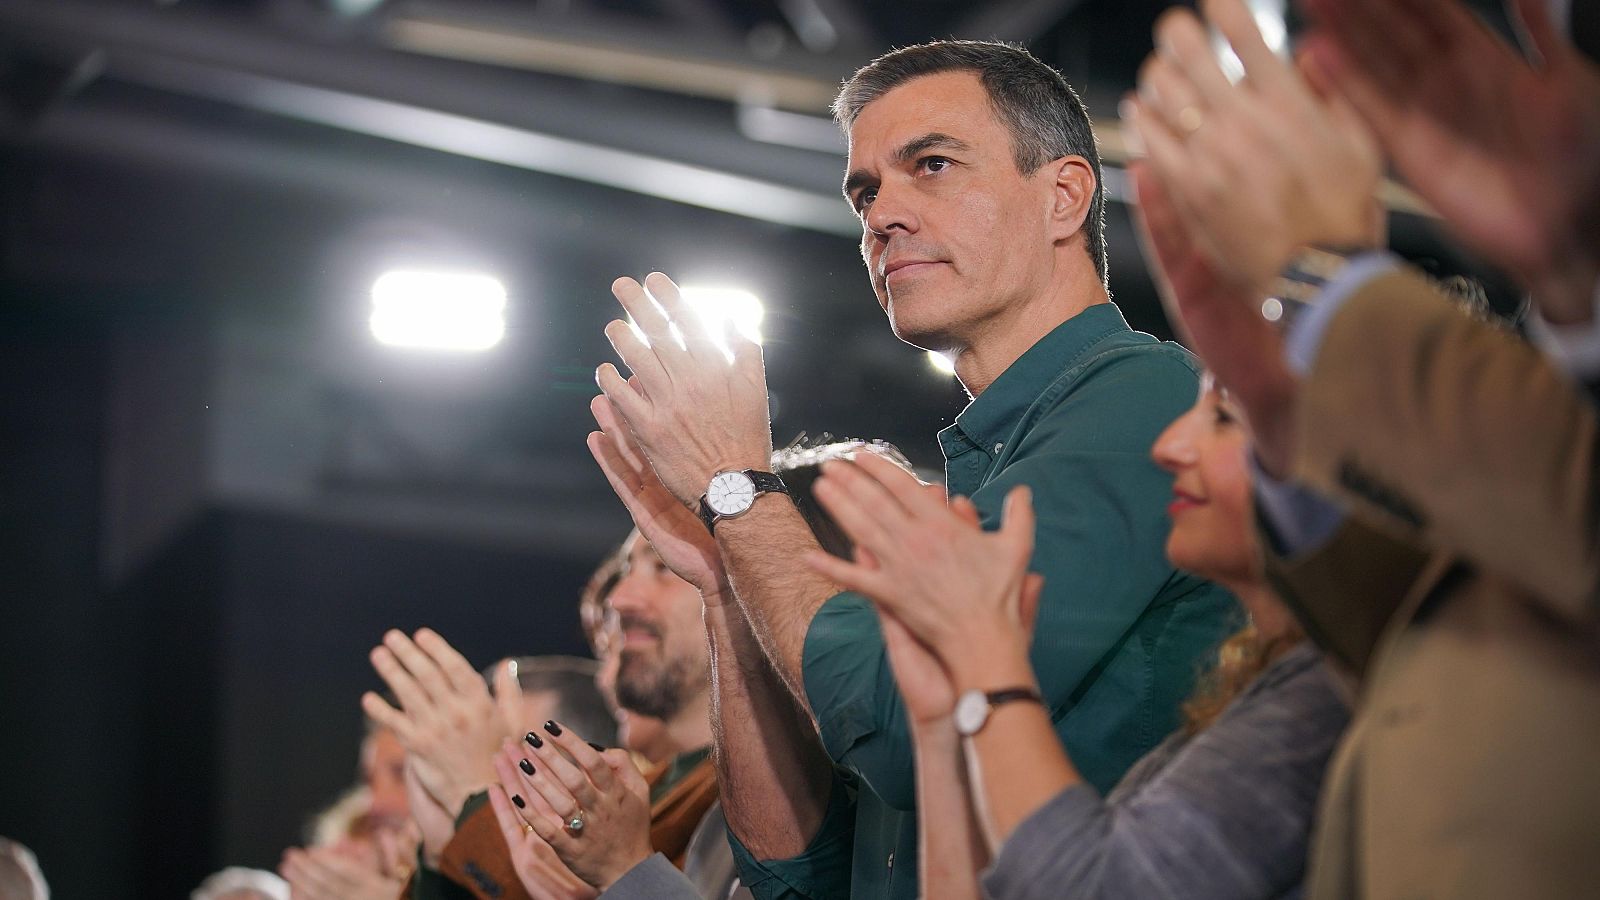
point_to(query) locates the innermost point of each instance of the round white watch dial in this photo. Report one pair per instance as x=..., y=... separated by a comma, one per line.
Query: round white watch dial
x=730, y=493
x=972, y=710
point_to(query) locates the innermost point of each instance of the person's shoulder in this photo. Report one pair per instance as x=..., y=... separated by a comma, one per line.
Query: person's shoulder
x=1128, y=376
x=1134, y=354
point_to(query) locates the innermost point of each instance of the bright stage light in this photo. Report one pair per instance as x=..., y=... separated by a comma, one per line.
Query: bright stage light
x=1269, y=16
x=438, y=310
x=941, y=362
x=718, y=307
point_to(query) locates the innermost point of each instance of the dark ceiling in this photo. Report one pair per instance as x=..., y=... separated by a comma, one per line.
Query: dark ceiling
x=247, y=166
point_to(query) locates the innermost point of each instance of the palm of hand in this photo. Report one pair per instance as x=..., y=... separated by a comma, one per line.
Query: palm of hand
x=677, y=534
x=946, y=573
x=1510, y=155
x=544, y=876
x=925, y=687
x=435, y=823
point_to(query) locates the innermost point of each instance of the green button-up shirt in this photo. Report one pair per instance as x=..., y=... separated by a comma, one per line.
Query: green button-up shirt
x=1119, y=636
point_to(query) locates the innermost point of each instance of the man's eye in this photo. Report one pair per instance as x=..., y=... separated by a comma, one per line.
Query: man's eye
x=865, y=198
x=933, y=164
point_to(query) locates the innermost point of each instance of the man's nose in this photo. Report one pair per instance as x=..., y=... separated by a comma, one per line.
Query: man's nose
x=630, y=594
x=892, y=209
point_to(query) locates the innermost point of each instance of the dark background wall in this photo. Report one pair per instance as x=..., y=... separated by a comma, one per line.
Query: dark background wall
x=217, y=491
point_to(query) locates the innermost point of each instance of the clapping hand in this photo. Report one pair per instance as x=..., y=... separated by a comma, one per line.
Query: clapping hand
x=345, y=872
x=1258, y=168
x=447, y=720
x=691, y=410
x=677, y=534
x=1506, y=149
x=962, y=593
x=590, y=806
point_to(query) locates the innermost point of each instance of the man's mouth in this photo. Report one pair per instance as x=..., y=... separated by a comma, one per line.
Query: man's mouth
x=636, y=633
x=905, y=268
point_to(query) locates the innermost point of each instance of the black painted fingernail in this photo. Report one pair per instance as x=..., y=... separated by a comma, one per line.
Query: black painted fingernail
x=597, y=747
x=553, y=728
x=527, y=767
x=517, y=799
x=534, y=740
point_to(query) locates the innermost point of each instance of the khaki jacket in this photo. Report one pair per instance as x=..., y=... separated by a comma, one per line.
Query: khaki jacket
x=1462, y=594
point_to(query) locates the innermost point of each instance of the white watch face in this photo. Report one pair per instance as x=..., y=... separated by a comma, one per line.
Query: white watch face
x=730, y=493
x=972, y=710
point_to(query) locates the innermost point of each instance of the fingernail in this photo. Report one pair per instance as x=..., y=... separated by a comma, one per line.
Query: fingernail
x=534, y=740
x=597, y=747
x=527, y=767
x=517, y=799
x=553, y=728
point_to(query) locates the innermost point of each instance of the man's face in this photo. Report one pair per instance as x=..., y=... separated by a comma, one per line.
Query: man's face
x=664, y=661
x=383, y=770
x=952, y=234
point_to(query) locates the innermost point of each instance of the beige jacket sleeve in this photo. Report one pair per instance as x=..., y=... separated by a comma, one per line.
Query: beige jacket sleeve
x=1345, y=592
x=1460, y=430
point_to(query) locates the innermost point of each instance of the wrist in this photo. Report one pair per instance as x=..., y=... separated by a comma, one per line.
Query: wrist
x=935, y=734
x=631, y=861
x=719, y=596
x=990, y=663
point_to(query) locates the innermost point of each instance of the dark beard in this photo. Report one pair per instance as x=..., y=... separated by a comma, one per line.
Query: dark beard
x=655, y=691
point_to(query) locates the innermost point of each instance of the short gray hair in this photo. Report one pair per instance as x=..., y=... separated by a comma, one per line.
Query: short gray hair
x=1046, y=118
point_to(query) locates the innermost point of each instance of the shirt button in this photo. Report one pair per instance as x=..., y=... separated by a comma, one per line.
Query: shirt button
x=998, y=448
x=891, y=860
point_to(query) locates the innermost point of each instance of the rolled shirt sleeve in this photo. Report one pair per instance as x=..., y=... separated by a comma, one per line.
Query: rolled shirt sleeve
x=822, y=871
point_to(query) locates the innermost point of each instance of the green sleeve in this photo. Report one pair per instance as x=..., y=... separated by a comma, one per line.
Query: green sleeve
x=821, y=871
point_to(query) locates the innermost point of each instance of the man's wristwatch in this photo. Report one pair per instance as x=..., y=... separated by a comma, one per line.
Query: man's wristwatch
x=731, y=494
x=974, y=707
x=1302, y=281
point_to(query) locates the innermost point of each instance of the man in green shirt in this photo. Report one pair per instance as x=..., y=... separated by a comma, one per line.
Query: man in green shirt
x=974, y=171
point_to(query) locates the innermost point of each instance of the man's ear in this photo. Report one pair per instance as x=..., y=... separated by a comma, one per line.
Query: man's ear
x=1073, y=190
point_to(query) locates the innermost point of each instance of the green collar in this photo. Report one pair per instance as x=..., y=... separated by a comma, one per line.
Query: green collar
x=993, y=415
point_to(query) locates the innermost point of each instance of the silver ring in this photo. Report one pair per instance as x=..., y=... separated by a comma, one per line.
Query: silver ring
x=575, y=823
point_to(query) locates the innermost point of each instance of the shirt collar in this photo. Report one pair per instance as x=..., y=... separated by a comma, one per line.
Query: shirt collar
x=991, y=417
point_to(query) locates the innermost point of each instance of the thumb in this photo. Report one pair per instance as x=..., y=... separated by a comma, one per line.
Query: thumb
x=1017, y=520
x=1028, y=600
x=508, y=697
x=621, y=763
x=963, y=507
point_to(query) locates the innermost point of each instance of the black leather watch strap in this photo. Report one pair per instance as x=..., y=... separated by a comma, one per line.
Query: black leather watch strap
x=1010, y=695
x=765, y=483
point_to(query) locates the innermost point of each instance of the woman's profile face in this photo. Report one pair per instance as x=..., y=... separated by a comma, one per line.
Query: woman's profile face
x=1213, y=533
